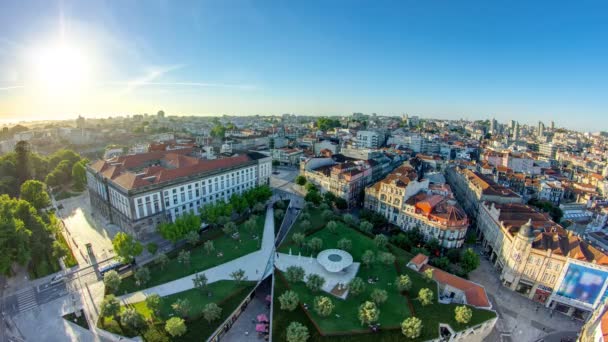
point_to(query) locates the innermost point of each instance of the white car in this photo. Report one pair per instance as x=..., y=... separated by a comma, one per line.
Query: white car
x=57, y=279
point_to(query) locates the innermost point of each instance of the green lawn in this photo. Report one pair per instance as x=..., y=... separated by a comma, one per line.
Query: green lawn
x=199, y=259
x=393, y=311
x=277, y=223
x=81, y=321
x=225, y=293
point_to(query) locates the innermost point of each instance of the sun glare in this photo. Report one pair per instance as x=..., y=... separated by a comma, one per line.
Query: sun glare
x=59, y=69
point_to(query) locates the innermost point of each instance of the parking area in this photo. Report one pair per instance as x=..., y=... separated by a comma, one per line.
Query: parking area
x=521, y=319
x=83, y=227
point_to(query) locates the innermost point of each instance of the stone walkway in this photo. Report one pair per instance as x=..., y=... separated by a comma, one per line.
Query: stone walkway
x=253, y=264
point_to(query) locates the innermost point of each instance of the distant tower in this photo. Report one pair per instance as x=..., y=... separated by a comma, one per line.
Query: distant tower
x=80, y=122
x=516, y=132
x=493, y=125
x=512, y=124
x=552, y=125
x=160, y=114
x=541, y=129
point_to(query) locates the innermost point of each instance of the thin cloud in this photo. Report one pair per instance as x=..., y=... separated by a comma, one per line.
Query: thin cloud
x=151, y=76
x=12, y=87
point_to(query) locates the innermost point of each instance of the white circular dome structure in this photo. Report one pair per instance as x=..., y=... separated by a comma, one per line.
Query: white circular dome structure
x=334, y=260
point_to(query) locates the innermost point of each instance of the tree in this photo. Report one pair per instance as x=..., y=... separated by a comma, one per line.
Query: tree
x=209, y=247
x=453, y=255
x=300, y=180
x=356, y=286
x=341, y=203
x=279, y=205
x=34, y=192
x=238, y=275
x=425, y=296
x=259, y=208
x=380, y=241
x=463, y=314
x=181, y=307
x=212, y=312
x=314, y=282
x=315, y=244
x=345, y=244
x=298, y=239
x=181, y=227
x=289, y=300
x=433, y=246
x=22, y=165
x=442, y=263
x=469, y=261
x=310, y=187
x=332, y=226
x=378, y=296
x=329, y=198
x=162, y=260
x=142, y=276
x=125, y=247
x=305, y=225
x=296, y=332
x=175, y=326
x=192, y=238
x=323, y=306
x=132, y=319
x=111, y=281
x=327, y=214
x=200, y=281
x=350, y=220
x=251, y=224
x=294, y=274
x=313, y=197
x=428, y=275
x=153, y=303
x=366, y=227
x=230, y=228
x=368, y=258
x=58, y=250
x=278, y=214
x=110, y=307
x=403, y=282
x=411, y=327
x=368, y=313
x=386, y=258
x=79, y=175
x=184, y=257
x=152, y=248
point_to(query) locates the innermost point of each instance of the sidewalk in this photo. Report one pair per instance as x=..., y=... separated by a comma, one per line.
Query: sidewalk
x=253, y=264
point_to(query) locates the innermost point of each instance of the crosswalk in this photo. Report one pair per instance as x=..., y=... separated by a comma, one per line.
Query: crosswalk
x=26, y=300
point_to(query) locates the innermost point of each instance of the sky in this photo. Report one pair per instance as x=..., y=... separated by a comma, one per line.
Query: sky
x=511, y=60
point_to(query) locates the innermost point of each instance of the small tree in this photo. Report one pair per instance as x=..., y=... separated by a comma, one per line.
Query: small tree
x=229, y=228
x=411, y=327
x=296, y=332
x=125, y=247
x=380, y=241
x=469, y=260
x=110, y=307
x=356, y=286
x=279, y=213
x=305, y=224
x=132, y=319
x=425, y=296
x=259, y=208
x=301, y=180
x=162, y=260
x=152, y=248
x=366, y=227
x=34, y=192
x=238, y=275
x=142, y=276
x=428, y=275
x=200, y=281
x=212, y=312
x=315, y=244
x=154, y=302
x=386, y=258
x=368, y=258
x=298, y=239
x=294, y=274
x=251, y=224
x=379, y=296
x=323, y=306
x=314, y=282
x=175, y=326
x=350, y=220
x=209, y=247
x=184, y=257
x=181, y=307
x=368, y=313
x=192, y=238
x=345, y=244
x=324, y=207
x=463, y=314
x=305, y=216
x=289, y=300
x=332, y=226
x=327, y=214
x=111, y=280
x=403, y=282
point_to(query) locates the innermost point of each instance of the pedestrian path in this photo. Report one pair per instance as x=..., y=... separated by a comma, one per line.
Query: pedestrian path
x=26, y=300
x=254, y=265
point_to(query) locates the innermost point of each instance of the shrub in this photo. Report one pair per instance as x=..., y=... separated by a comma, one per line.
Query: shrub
x=323, y=306
x=294, y=274
x=411, y=327
x=289, y=300
x=314, y=282
x=463, y=314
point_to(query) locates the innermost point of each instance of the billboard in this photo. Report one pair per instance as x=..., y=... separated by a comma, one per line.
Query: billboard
x=582, y=283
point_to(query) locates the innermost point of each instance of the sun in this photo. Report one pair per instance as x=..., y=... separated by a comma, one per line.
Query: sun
x=59, y=69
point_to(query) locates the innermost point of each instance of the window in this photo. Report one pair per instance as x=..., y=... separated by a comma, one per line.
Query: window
x=197, y=193
x=174, y=191
x=189, y=186
x=181, y=189
x=183, y=197
x=174, y=199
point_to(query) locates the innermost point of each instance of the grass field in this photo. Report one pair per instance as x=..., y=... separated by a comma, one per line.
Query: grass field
x=199, y=259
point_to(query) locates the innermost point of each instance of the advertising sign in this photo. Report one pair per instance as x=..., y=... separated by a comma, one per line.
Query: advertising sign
x=582, y=283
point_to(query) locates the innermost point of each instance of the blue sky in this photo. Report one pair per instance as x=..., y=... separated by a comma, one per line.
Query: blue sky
x=525, y=60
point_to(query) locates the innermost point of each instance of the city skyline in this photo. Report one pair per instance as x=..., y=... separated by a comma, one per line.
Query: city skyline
x=526, y=62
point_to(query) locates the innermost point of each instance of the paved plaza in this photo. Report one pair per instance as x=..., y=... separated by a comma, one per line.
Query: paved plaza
x=519, y=318
x=311, y=265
